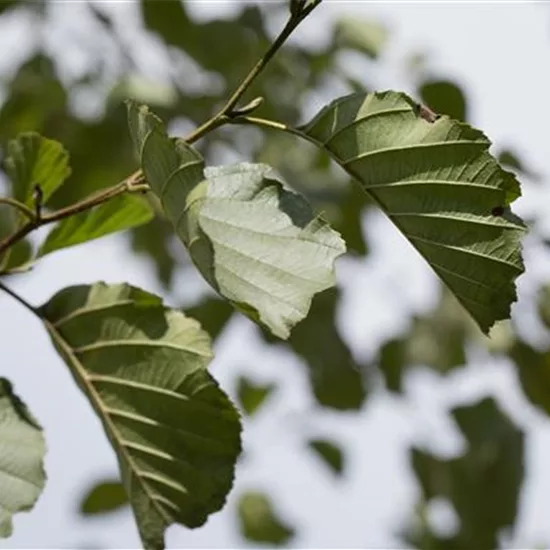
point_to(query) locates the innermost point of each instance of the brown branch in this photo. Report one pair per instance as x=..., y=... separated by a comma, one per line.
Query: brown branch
x=132, y=183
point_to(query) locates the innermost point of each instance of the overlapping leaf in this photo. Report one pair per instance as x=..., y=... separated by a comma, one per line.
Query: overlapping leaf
x=22, y=450
x=436, y=180
x=35, y=160
x=336, y=378
x=256, y=242
x=143, y=369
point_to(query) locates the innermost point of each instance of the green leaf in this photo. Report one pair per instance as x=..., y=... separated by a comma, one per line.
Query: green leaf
x=484, y=483
x=213, y=314
x=438, y=338
x=19, y=256
x=255, y=241
x=143, y=366
x=543, y=305
x=533, y=368
x=252, y=396
x=34, y=160
x=22, y=450
x=349, y=224
x=392, y=362
x=335, y=377
x=7, y=5
x=438, y=183
x=445, y=97
x=259, y=522
x=368, y=37
x=103, y=497
x=118, y=214
x=330, y=453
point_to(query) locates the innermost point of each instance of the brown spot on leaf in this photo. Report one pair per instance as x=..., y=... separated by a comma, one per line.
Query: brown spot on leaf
x=497, y=211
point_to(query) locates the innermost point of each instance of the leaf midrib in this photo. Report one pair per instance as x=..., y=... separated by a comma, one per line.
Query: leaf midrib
x=96, y=401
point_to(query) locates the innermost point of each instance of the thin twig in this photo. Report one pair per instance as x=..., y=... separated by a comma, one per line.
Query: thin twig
x=18, y=298
x=23, y=208
x=133, y=183
x=224, y=115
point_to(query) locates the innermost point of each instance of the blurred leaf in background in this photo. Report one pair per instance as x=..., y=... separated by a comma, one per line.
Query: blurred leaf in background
x=259, y=522
x=103, y=497
x=483, y=484
x=251, y=396
x=444, y=97
x=330, y=453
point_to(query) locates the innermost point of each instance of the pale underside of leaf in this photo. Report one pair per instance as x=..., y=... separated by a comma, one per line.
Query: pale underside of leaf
x=143, y=368
x=438, y=183
x=22, y=450
x=255, y=241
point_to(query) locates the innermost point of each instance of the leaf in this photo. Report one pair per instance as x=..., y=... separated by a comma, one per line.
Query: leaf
x=330, y=453
x=533, y=368
x=103, y=497
x=118, y=214
x=445, y=97
x=19, y=256
x=252, y=396
x=438, y=338
x=368, y=37
x=336, y=379
x=22, y=450
x=8, y=5
x=484, y=483
x=349, y=225
x=143, y=366
x=438, y=183
x=256, y=242
x=34, y=160
x=213, y=314
x=543, y=305
x=258, y=520
x=392, y=362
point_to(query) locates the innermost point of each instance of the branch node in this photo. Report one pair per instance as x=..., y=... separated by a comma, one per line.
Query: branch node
x=38, y=196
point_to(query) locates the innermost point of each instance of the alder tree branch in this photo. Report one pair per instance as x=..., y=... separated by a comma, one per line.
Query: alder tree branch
x=136, y=181
x=133, y=183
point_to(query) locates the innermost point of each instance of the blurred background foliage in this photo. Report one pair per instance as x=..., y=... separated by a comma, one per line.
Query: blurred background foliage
x=80, y=105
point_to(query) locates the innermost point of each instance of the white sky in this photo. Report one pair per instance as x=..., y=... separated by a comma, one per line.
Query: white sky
x=500, y=53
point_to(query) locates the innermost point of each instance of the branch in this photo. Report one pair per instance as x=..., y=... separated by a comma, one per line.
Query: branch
x=136, y=181
x=226, y=113
x=132, y=183
x=23, y=208
x=18, y=298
